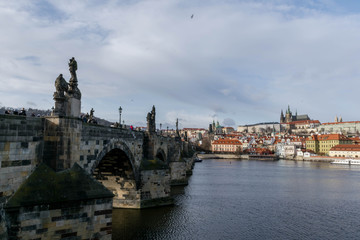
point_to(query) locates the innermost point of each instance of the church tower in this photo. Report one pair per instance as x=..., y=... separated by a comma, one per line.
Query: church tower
x=288, y=116
x=282, y=118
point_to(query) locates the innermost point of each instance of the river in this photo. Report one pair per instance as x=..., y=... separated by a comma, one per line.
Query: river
x=240, y=199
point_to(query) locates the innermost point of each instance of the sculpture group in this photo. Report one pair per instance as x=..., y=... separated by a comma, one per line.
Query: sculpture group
x=67, y=96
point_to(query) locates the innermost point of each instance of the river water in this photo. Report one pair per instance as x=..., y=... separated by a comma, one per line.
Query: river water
x=233, y=199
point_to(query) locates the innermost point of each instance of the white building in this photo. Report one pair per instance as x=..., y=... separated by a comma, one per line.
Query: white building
x=345, y=150
x=259, y=128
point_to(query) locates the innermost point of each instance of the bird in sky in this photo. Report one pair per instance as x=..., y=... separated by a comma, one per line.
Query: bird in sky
x=192, y=15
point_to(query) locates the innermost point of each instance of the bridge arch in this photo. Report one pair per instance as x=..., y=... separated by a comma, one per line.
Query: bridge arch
x=115, y=145
x=160, y=154
x=115, y=169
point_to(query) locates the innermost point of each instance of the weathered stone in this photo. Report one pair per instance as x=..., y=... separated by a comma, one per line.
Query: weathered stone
x=136, y=166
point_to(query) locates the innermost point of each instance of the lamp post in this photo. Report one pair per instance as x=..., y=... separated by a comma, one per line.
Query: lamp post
x=160, y=128
x=120, y=110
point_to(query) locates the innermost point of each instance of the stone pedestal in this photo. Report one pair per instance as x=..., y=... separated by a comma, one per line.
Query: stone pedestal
x=73, y=107
x=60, y=105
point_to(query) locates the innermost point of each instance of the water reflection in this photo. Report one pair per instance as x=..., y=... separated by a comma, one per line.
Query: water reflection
x=232, y=199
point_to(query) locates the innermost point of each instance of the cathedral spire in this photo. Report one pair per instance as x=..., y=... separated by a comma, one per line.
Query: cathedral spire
x=282, y=118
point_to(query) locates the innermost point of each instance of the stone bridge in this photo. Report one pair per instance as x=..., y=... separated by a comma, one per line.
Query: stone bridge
x=61, y=176
x=137, y=167
x=127, y=162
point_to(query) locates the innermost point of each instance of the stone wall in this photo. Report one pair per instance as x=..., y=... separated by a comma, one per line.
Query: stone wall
x=96, y=141
x=21, y=146
x=61, y=142
x=178, y=173
x=21, y=149
x=90, y=219
x=116, y=173
x=68, y=204
x=155, y=188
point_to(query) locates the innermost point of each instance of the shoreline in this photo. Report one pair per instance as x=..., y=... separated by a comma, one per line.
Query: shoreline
x=246, y=157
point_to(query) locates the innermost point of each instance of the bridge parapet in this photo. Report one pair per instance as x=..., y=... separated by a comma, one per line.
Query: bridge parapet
x=21, y=146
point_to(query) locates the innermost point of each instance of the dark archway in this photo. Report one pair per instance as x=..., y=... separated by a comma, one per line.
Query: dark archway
x=116, y=173
x=160, y=154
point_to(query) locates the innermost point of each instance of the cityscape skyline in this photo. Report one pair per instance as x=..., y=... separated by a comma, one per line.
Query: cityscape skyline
x=235, y=62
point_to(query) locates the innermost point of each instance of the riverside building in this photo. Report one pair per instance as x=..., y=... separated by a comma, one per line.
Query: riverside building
x=322, y=144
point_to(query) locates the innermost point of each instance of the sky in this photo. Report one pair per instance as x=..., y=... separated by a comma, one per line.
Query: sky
x=235, y=61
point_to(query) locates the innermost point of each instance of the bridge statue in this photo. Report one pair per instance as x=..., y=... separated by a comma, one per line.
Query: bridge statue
x=61, y=86
x=151, y=126
x=177, y=128
x=73, y=68
x=73, y=83
x=67, y=104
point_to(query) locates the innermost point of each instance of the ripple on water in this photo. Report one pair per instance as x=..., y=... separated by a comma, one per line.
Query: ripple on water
x=253, y=200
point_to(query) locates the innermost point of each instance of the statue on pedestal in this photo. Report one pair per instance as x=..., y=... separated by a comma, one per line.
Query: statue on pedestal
x=73, y=83
x=67, y=96
x=151, y=127
x=61, y=86
x=72, y=69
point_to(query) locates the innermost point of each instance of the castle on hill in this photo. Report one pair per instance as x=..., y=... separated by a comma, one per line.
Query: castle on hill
x=289, y=117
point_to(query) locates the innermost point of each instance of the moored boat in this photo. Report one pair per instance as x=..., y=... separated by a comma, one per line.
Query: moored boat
x=347, y=161
x=355, y=162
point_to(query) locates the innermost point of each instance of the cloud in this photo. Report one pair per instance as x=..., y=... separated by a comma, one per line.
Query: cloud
x=29, y=103
x=241, y=60
x=228, y=122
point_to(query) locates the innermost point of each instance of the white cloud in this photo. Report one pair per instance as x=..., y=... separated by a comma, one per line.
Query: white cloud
x=242, y=60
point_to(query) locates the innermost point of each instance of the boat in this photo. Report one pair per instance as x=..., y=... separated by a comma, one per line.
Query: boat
x=347, y=161
x=355, y=162
x=342, y=161
x=198, y=159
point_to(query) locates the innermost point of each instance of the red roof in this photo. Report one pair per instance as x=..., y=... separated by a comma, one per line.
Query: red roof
x=333, y=123
x=346, y=147
x=303, y=122
x=327, y=137
x=194, y=129
x=227, y=141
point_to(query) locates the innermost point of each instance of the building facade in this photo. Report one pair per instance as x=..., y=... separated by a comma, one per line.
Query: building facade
x=226, y=145
x=351, y=127
x=260, y=128
x=302, y=127
x=345, y=150
x=322, y=144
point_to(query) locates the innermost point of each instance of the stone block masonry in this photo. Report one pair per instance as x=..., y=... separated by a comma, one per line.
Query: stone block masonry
x=90, y=219
x=136, y=166
x=155, y=189
x=178, y=173
x=64, y=205
x=21, y=146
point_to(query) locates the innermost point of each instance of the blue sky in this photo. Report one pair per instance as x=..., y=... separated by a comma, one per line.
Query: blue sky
x=236, y=62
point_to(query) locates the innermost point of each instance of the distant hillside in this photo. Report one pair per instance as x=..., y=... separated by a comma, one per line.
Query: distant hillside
x=43, y=113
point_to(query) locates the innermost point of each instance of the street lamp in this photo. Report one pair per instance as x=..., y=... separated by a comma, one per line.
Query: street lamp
x=120, y=110
x=160, y=128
